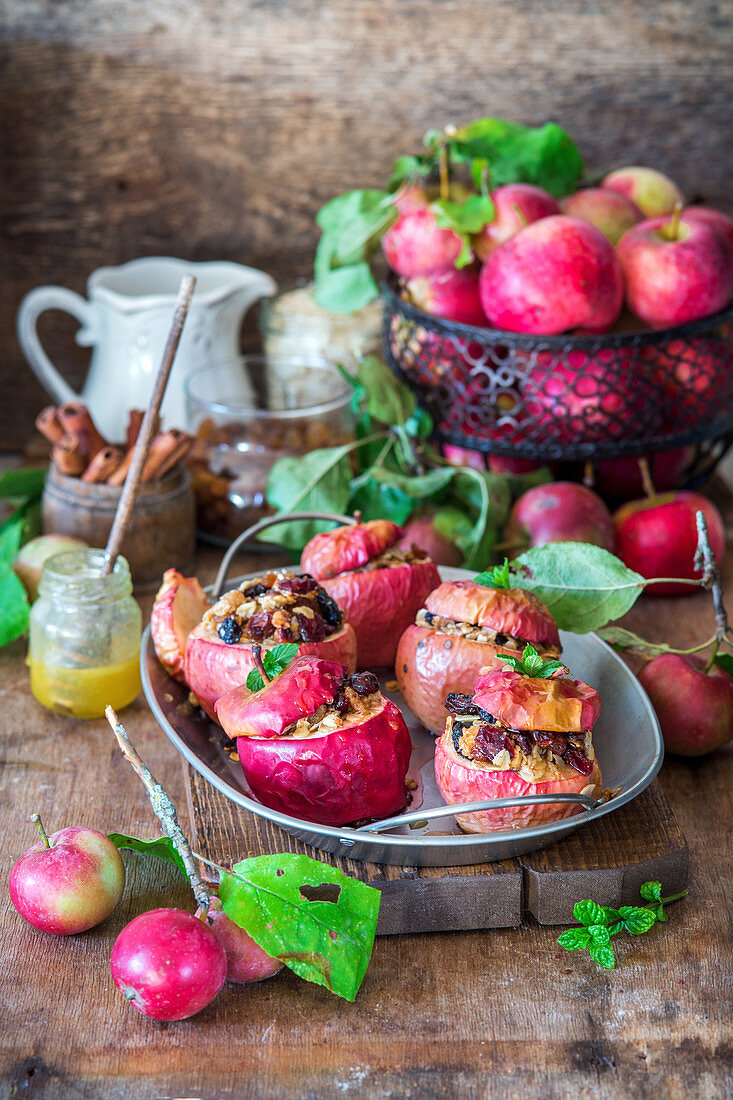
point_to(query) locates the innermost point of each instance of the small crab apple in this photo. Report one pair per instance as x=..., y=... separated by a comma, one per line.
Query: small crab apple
x=246, y=961
x=721, y=223
x=610, y=211
x=168, y=964
x=416, y=245
x=654, y=193
x=561, y=512
x=517, y=205
x=694, y=705
x=68, y=882
x=448, y=293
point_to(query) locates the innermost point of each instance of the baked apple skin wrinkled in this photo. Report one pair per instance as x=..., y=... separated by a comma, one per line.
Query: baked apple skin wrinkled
x=180, y=604
x=340, y=762
x=518, y=735
x=274, y=609
x=378, y=586
x=431, y=663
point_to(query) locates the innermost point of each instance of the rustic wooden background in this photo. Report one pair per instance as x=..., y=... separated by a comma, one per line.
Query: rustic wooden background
x=213, y=129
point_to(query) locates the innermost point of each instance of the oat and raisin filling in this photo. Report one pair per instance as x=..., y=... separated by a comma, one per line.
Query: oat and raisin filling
x=278, y=607
x=357, y=699
x=393, y=557
x=481, y=738
x=476, y=633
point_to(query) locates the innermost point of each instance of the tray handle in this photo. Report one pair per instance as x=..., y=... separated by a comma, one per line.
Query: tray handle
x=471, y=807
x=263, y=524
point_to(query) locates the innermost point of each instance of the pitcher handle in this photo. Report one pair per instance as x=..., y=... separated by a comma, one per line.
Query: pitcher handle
x=33, y=305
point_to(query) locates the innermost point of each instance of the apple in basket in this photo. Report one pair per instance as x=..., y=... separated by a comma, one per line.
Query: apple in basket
x=276, y=608
x=516, y=205
x=610, y=211
x=462, y=626
x=524, y=730
x=320, y=744
x=378, y=586
x=654, y=193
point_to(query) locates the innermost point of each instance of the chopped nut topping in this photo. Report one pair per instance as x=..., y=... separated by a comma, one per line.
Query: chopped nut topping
x=476, y=633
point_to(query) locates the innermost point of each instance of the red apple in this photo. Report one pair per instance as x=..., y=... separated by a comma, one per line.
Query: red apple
x=461, y=456
x=30, y=559
x=675, y=272
x=461, y=629
x=415, y=245
x=621, y=479
x=513, y=467
x=694, y=708
x=517, y=205
x=70, y=885
x=561, y=512
x=448, y=293
x=168, y=964
x=721, y=223
x=557, y=274
x=246, y=961
x=654, y=193
x=342, y=757
x=422, y=531
x=657, y=537
x=179, y=606
x=379, y=587
x=610, y=211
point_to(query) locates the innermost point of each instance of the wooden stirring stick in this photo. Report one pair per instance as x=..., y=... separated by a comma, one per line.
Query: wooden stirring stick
x=148, y=428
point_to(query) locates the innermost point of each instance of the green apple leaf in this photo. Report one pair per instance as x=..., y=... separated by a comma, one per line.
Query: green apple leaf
x=162, y=847
x=583, y=586
x=276, y=899
x=724, y=661
x=17, y=484
x=316, y=482
x=545, y=155
x=387, y=399
x=346, y=289
x=622, y=639
x=376, y=500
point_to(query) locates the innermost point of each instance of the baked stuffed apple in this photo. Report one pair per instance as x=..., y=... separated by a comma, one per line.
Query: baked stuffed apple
x=273, y=609
x=319, y=744
x=378, y=586
x=519, y=734
x=460, y=628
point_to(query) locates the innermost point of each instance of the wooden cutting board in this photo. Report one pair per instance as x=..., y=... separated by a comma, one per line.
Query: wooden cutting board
x=607, y=860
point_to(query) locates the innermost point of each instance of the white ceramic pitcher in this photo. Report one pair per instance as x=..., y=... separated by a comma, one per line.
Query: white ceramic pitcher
x=125, y=320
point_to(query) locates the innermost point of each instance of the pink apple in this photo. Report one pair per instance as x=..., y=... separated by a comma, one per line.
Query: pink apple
x=610, y=211
x=246, y=961
x=561, y=512
x=557, y=274
x=415, y=245
x=675, y=273
x=657, y=537
x=168, y=964
x=694, y=708
x=70, y=885
x=462, y=456
x=30, y=559
x=654, y=193
x=517, y=205
x=621, y=478
x=722, y=224
x=421, y=531
x=448, y=293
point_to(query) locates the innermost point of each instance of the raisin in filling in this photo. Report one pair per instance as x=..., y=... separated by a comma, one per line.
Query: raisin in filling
x=278, y=607
x=357, y=696
x=391, y=558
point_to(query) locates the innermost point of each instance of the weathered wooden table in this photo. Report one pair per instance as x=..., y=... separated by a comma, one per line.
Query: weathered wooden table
x=501, y=1013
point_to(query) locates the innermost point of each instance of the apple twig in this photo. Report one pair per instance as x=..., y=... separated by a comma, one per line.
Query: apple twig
x=164, y=808
x=706, y=563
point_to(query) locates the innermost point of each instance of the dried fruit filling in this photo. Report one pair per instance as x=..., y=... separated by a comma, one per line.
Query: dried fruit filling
x=478, y=736
x=390, y=559
x=277, y=607
x=358, y=699
x=476, y=633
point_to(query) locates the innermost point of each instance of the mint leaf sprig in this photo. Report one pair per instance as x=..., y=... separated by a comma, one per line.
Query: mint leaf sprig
x=532, y=664
x=497, y=577
x=600, y=922
x=274, y=661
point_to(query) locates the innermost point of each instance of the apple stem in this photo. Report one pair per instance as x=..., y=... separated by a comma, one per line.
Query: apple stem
x=522, y=217
x=36, y=819
x=259, y=665
x=672, y=229
x=357, y=517
x=164, y=808
x=444, y=173
x=646, y=478
x=705, y=561
x=589, y=475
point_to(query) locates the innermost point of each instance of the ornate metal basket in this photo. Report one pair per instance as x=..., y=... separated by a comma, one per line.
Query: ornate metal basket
x=569, y=398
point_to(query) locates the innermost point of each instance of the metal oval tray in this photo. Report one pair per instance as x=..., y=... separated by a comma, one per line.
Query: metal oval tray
x=626, y=738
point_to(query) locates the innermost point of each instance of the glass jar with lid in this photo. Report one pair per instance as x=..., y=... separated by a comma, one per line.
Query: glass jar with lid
x=85, y=630
x=292, y=323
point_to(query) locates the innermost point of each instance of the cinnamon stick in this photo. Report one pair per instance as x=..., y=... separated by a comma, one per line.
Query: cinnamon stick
x=77, y=422
x=48, y=424
x=134, y=423
x=67, y=456
x=166, y=449
x=104, y=463
x=118, y=476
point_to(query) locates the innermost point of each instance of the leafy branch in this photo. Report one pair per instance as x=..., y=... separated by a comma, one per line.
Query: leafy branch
x=600, y=922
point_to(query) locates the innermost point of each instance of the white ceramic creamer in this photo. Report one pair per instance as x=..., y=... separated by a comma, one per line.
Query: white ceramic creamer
x=125, y=319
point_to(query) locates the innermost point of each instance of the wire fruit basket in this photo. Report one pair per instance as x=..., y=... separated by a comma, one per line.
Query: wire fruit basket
x=569, y=398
